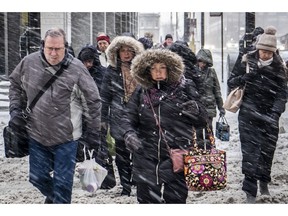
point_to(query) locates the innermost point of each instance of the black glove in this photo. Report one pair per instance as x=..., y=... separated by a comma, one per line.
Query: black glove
x=132, y=142
x=190, y=108
x=17, y=122
x=222, y=112
x=248, y=77
x=91, y=140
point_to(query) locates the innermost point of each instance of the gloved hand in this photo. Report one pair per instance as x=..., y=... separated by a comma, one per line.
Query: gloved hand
x=222, y=112
x=17, y=122
x=92, y=140
x=132, y=142
x=248, y=77
x=190, y=107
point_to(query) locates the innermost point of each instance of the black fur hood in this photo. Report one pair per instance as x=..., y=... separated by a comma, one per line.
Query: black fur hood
x=141, y=64
x=116, y=44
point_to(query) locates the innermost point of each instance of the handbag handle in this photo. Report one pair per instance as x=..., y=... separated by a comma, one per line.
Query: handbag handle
x=160, y=128
x=223, y=119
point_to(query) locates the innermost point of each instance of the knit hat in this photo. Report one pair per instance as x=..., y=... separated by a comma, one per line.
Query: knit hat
x=86, y=54
x=267, y=40
x=103, y=37
x=146, y=42
x=168, y=36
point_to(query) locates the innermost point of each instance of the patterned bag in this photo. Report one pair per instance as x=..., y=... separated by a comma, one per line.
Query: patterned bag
x=205, y=169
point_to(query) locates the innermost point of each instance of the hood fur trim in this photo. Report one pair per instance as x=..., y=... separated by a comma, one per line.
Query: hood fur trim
x=141, y=64
x=118, y=42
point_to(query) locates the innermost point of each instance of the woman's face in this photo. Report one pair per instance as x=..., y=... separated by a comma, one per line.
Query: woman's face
x=201, y=64
x=126, y=53
x=265, y=54
x=158, y=71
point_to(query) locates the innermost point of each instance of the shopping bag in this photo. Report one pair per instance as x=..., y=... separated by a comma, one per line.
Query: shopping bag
x=91, y=174
x=205, y=169
x=222, y=129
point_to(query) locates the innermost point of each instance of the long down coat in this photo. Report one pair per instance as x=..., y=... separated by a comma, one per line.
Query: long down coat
x=153, y=163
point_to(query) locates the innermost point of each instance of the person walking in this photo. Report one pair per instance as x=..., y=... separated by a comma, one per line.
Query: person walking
x=116, y=90
x=103, y=41
x=168, y=41
x=175, y=101
x=90, y=58
x=55, y=123
x=263, y=103
x=210, y=91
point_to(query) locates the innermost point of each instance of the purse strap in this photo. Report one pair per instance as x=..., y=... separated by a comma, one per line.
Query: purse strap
x=160, y=128
x=28, y=109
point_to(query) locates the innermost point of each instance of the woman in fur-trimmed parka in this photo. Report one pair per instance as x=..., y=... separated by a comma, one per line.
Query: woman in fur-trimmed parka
x=263, y=103
x=116, y=90
x=159, y=73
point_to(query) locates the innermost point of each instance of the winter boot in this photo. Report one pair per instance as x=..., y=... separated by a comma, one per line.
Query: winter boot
x=48, y=201
x=264, y=188
x=250, y=199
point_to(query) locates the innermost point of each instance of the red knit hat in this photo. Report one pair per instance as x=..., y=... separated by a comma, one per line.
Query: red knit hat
x=103, y=37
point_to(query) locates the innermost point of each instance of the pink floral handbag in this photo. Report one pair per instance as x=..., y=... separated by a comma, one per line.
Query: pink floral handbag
x=205, y=170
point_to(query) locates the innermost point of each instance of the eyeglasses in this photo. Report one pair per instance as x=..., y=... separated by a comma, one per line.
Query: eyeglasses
x=50, y=49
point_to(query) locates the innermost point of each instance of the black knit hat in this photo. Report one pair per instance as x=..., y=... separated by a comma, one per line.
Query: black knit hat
x=168, y=36
x=146, y=42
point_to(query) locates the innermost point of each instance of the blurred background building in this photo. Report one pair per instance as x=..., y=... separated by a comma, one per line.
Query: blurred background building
x=21, y=33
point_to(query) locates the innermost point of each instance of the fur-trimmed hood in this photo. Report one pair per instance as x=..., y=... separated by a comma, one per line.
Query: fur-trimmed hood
x=117, y=43
x=141, y=64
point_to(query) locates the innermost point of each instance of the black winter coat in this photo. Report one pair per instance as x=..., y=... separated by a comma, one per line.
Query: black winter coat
x=154, y=164
x=268, y=91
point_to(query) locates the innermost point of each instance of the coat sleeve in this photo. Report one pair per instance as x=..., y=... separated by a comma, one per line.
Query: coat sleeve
x=91, y=102
x=17, y=95
x=106, y=95
x=130, y=118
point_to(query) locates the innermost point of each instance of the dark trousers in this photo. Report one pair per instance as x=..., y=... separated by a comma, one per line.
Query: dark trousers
x=175, y=192
x=258, y=143
x=52, y=169
x=124, y=164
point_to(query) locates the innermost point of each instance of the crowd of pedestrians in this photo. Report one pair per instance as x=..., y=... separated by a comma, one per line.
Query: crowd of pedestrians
x=142, y=95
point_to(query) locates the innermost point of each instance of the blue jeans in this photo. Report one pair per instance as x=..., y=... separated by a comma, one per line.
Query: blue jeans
x=56, y=185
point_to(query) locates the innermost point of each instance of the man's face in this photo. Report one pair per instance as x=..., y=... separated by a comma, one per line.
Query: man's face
x=102, y=45
x=54, y=49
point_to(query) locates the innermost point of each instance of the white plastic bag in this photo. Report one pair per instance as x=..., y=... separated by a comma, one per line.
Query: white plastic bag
x=91, y=174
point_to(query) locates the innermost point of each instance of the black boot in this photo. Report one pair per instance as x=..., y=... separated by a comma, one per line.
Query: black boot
x=250, y=199
x=264, y=188
x=48, y=201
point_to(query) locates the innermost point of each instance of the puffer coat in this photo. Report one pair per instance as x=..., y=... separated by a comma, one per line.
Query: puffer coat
x=112, y=89
x=153, y=163
x=208, y=86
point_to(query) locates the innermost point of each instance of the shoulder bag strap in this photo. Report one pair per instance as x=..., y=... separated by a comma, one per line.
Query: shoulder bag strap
x=160, y=128
x=28, y=109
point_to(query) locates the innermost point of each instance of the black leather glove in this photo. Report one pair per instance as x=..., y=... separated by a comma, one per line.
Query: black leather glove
x=132, y=142
x=222, y=112
x=190, y=108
